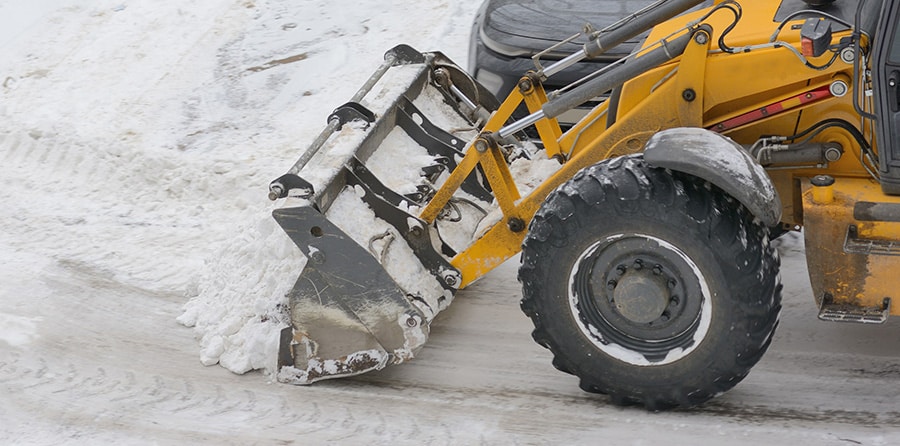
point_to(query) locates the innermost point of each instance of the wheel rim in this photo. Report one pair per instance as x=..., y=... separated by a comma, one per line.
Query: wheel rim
x=640, y=299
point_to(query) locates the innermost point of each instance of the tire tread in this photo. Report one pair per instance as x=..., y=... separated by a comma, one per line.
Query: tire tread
x=638, y=191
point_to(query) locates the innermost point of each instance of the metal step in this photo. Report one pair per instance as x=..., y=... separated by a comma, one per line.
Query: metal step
x=854, y=244
x=844, y=312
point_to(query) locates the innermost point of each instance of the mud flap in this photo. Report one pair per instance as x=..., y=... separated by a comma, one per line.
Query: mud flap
x=348, y=315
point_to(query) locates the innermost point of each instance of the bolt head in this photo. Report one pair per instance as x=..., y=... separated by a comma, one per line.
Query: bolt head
x=525, y=85
x=516, y=224
x=701, y=38
x=450, y=279
x=848, y=55
x=317, y=257
x=440, y=76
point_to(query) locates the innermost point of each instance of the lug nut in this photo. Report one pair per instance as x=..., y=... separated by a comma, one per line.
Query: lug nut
x=611, y=285
x=638, y=264
x=657, y=270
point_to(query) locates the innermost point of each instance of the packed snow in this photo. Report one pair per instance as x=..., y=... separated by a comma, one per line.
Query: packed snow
x=160, y=125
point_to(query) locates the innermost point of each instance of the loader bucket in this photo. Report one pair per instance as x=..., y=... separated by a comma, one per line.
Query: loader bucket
x=376, y=274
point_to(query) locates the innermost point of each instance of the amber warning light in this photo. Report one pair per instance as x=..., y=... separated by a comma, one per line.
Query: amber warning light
x=815, y=37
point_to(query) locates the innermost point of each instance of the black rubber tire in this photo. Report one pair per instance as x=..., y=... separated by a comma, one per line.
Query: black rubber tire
x=691, y=233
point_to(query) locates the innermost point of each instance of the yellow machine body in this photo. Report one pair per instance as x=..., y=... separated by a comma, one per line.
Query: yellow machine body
x=729, y=70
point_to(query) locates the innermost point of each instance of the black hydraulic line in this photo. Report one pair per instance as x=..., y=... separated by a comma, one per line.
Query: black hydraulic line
x=857, y=48
x=734, y=8
x=835, y=122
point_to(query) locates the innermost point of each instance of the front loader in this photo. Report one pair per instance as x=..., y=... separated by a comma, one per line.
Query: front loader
x=645, y=229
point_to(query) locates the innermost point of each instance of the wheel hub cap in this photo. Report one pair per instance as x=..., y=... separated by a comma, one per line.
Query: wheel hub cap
x=640, y=298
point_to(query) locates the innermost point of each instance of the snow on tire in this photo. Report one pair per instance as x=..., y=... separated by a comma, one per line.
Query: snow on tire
x=652, y=286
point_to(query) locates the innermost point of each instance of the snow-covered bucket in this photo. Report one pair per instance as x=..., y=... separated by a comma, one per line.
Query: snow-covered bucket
x=376, y=273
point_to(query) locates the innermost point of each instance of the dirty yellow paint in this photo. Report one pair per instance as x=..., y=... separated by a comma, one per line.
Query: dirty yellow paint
x=854, y=279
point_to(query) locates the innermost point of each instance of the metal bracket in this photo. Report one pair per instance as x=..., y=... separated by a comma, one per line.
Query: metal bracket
x=853, y=244
x=404, y=55
x=280, y=187
x=844, y=312
x=386, y=205
x=352, y=111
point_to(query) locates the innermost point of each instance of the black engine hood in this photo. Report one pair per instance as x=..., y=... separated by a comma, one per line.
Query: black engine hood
x=522, y=28
x=517, y=28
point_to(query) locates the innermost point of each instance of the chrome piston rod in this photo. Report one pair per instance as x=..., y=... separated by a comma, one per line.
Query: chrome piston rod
x=667, y=50
x=637, y=24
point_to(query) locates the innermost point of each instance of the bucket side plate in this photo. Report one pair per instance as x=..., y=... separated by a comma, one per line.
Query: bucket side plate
x=348, y=315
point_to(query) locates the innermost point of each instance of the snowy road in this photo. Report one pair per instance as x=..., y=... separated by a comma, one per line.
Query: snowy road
x=137, y=141
x=112, y=365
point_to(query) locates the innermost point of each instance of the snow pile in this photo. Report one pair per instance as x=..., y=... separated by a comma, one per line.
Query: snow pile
x=531, y=173
x=18, y=330
x=276, y=71
x=241, y=332
x=139, y=139
x=239, y=307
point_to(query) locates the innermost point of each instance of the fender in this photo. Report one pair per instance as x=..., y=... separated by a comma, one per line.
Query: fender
x=722, y=162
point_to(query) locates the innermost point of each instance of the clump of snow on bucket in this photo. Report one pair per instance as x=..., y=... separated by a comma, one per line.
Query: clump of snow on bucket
x=531, y=173
x=240, y=303
x=399, y=164
x=357, y=219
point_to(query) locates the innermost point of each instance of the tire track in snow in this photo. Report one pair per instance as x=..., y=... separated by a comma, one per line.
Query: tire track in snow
x=77, y=395
x=72, y=387
x=143, y=390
